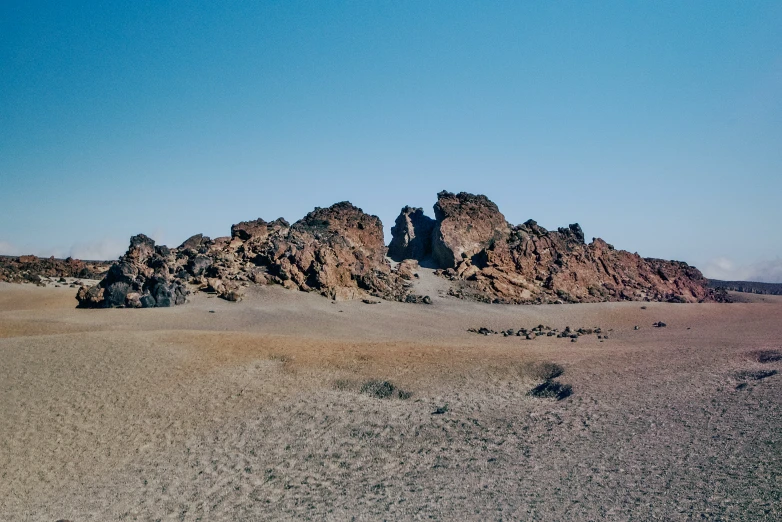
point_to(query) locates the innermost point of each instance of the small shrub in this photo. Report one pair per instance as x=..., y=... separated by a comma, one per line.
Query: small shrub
x=754, y=375
x=767, y=356
x=383, y=390
x=551, y=390
x=344, y=384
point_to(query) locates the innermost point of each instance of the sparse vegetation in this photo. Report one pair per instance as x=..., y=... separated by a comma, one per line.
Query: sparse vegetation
x=376, y=388
x=766, y=356
x=551, y=390
x=754, y=375
x=383, y=390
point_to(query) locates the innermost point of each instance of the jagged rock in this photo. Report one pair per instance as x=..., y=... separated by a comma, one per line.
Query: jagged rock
x=248, y=229
x=142, y=278
x=411, y=235
x=466, y=225
x=195, y=243
x=489, y=260
x=337, y=251
x=198, y=264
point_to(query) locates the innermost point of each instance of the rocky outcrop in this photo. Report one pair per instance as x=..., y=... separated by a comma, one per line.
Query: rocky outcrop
x=336, y=251
x=339, y=252
x=30, y=269
x=411, y=235
x=466, y=225
x=145, y=277
x=490, y=260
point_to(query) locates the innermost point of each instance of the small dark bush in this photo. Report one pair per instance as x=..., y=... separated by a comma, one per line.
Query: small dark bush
x=344, y=384
x=767, y=356
x=551, y=390
x=754, y=375
x=383, y=390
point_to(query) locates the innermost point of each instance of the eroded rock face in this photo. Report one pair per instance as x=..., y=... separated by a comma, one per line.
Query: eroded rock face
x=336, y=251
x=411, y=235
x=466, y=225
x=490, y=260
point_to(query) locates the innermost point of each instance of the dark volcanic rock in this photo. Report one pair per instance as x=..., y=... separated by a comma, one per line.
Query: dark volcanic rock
x=411, y=235
x=141, y=278
x=747, y=286
x=30, y=269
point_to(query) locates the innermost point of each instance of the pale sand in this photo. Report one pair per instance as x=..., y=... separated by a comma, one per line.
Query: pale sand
x=182, y=414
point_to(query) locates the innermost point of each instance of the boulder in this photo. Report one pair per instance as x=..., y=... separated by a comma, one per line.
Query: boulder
x=195, y=243
x=466, y=225
x=244, y=230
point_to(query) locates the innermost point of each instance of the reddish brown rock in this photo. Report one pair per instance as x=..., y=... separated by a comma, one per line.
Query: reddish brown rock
x=337, y=251
x=491, y=261
x=466, y=225
x=247, y=229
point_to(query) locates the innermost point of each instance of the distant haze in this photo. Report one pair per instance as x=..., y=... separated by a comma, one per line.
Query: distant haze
x=656, y=126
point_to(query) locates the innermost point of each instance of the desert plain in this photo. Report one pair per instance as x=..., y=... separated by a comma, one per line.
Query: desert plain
x=260, y=410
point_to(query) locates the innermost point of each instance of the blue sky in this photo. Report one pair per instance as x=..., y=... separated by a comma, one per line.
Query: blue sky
x=656, y=125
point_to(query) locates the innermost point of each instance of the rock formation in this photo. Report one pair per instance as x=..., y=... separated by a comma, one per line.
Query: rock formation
x=411, y=235
x=144, y=277
x=466, y=225
x=490, y=260
x=337, y=251
x=30, y=269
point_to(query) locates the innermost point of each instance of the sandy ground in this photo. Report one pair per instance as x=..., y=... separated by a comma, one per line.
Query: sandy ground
x=253, y=411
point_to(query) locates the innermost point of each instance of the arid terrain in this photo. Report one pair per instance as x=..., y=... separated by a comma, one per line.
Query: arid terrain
x=266, y=409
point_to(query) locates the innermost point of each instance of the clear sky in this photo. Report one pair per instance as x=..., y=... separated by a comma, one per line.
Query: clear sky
x=656, y=125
